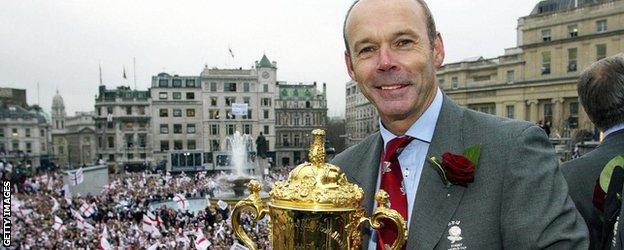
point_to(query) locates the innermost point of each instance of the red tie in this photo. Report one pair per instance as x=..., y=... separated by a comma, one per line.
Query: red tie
x=392, y=183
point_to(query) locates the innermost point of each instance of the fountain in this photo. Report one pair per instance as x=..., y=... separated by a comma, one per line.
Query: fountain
x=238, y=147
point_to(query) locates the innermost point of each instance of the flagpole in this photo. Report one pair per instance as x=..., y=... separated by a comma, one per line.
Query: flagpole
x=134, y=71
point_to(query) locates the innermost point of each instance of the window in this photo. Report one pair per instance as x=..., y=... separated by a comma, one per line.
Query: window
x=130, y=156
x=129, y=138
x=572, y=55
x=143, y=156
x=164, y=145
x=16, y=146
x=177, y=128
x=230, y=129
x=111, y=142
x=601, y=51
x=308, y=104
x=248, y=116
x=28, y=147
x=111, y=157
x=141, y=110
x=213, y=101
x=214, y=145
x=213, y=87
x=247, y=129
x=307, y=119
x=177, y=113
x=510, y=111
x=164, y=128
x=246, y=87
x=190, y=96
x=163, y=113
x=285, y=140
x=27, y=130
x=214, y=129
x=265, y=114
x=142, y=140
x=177, y=83
x=109, y=110
x=162, y=96
x=454, y=82
x=176, y=95
x=546, y=35
x=190, y=128
x=163, y=83
x=229, y=101
x=177, y=145
x=601, y=26
x=2, y=132
x=229, y=115
x=213, y=114
x=545, y=63
x=265, y=88
x=511, y=75
x=266, y=102
x=128, y=110
x=129, y=125
x=190, y=83
x=229, y=87
x=191, y=145
x=266, y=129
x=142, y=125
x=440, y=83
x=574, y=114
x=573, y=30
x=246, y=100
x=548, y=113
x=190, y=112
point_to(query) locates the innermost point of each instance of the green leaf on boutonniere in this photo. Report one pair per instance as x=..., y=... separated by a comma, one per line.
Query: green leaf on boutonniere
x=607, y=171
x=473, y=153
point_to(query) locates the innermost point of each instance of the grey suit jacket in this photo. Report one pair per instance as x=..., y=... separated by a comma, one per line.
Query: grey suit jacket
x=518, y=199
x=581, y=175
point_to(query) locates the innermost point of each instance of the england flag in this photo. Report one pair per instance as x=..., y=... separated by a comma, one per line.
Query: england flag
x=181, y=200
x=77, y=177
x=200, y=240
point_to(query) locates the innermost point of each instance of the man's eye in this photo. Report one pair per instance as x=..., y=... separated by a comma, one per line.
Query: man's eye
x=366, y=50
x=404, y=42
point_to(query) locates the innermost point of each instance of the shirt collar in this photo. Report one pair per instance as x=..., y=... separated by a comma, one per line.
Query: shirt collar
x=613, y=129
x=424, y=127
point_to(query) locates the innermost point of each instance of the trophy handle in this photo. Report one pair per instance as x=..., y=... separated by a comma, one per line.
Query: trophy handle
x=383, y=212
x=253, y=203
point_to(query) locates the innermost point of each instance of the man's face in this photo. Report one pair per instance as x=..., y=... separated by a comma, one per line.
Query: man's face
x=391, y=57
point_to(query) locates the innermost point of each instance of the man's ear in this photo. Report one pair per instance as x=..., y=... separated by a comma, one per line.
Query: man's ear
x=438, y=51
x=349, y=64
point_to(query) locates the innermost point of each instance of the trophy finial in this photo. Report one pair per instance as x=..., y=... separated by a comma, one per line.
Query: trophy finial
x=317, y=148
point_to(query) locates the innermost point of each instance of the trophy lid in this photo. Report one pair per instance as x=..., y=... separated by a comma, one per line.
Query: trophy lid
x=317, y=185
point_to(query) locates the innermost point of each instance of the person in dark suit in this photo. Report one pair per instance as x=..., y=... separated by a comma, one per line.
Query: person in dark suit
x=601, y=91
x=517, y=198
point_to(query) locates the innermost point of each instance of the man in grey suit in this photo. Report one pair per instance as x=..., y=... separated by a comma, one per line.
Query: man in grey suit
x=601, y=90
x=518, y=199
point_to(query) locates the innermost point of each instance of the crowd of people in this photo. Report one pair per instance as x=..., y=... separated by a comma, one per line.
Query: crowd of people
x=45, y=214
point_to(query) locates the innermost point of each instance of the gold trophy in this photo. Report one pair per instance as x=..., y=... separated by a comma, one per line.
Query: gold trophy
x=316, y=208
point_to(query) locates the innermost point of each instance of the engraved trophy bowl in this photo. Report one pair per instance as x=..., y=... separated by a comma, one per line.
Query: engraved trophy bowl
x=316, y=208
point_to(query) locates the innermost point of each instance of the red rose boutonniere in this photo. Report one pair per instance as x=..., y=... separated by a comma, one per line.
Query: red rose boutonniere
x=457, y=169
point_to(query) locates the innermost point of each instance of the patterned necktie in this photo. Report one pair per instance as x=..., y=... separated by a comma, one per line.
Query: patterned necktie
x=392, y=183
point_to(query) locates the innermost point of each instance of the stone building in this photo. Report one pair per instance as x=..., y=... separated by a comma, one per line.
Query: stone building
x=536, y=81
x=73, y=137
x=362, y=118
x=24, y=135
x=177, y=120
x=224, y=89
x=299, y=109
x=123, y=126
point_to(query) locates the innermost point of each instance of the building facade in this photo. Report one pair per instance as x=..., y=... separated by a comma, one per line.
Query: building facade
x=177, y=120
x=299, y=109
x=24, y=135
x=361, y=118
x=74, y=137
x=224, y=89
x=535, y=81
x=123, y=126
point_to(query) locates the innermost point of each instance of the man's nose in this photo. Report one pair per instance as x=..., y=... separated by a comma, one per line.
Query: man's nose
x=386, y=60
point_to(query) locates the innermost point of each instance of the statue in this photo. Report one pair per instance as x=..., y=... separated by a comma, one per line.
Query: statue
x=261, y=146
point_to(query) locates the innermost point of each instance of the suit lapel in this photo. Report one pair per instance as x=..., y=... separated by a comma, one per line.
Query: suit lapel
x=435, y=204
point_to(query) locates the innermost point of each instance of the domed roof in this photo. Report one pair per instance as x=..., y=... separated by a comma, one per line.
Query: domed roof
x=57, y=101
